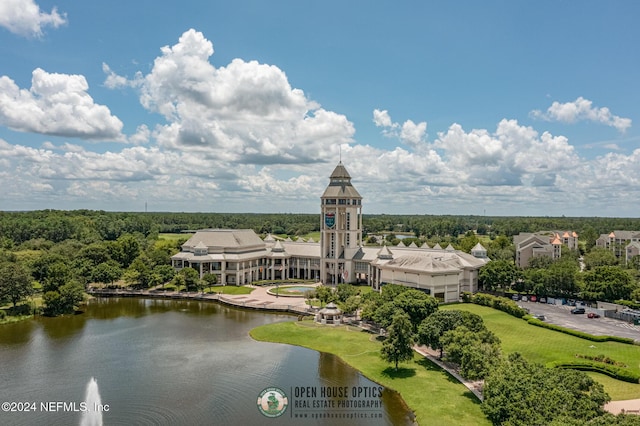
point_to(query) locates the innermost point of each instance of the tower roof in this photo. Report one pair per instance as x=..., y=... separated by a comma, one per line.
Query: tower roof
x=340, y=184
x=340, y=172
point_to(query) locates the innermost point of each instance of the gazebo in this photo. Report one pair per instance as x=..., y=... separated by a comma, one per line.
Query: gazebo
x=330, y=314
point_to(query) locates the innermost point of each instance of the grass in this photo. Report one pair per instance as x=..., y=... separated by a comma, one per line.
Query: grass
x=543, y=346
x=455, y=403
x=229, y=289
x=618, y=390
x=173, y=237
x=10, y=312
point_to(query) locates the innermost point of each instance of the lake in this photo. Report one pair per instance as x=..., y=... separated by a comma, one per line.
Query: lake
x=176, y=363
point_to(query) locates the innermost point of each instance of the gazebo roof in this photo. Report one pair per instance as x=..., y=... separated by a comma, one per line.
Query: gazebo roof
x=331, y=308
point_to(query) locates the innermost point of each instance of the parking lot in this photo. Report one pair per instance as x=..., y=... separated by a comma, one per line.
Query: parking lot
x=561, y=315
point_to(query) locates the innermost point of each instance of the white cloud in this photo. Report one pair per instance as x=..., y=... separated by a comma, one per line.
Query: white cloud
x=56, y=104
x=240, y=138
x=141, y=136
x=115, y=81
x=382, y=118
x=408, y=132
x=244, y=112
x=24, y=18
x=579, y=110
x=514, y=155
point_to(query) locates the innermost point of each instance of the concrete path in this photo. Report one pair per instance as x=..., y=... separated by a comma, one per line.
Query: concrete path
x=475, y=387
x=630, y=406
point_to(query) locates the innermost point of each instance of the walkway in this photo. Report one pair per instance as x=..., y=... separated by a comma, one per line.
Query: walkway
x=475, y=387
x=257, y=299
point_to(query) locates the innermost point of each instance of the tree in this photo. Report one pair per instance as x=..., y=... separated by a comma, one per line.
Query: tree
x=58, y=274
x=324, y=294
x=437, y=324
x=417, y=304
x=191, y=278
x=210, y=280
x=607, y=283
x=599, y=256
x=64, y=300
x=139, y=272
x=350, y=305
x=125, y=250
x=520, y=394
x=398, y=346
x=476, y=352
x=106, y=272
x=344, y=291
x=468, y=242
x=498, y=274
x=15, y=282
x=165, y=272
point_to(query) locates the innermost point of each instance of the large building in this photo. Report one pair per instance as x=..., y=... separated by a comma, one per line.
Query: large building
x=547, y=244
x=623, y=244
x=240, y=257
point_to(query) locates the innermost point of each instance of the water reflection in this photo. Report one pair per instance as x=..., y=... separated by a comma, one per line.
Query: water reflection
x=164, y=362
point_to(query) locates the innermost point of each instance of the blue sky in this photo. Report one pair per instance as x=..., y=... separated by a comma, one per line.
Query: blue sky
x=497, y=108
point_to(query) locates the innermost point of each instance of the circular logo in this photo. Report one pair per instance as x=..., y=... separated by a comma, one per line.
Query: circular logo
x=272, y=402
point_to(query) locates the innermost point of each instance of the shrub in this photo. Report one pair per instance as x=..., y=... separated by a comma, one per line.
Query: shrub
x=610, y=370
x=500, y=303
x=602, y=358
x=3, y=314
x=580, y=334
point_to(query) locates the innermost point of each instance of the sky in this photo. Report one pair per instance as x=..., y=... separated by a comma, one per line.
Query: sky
x=497, y=108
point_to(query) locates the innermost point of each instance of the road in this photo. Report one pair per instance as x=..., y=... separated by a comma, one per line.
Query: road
x=562, y=316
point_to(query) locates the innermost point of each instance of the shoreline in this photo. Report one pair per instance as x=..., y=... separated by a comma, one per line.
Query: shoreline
x=239, y=301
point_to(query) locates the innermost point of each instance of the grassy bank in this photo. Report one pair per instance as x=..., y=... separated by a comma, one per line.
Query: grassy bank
x=543, y=346
x=433, y=395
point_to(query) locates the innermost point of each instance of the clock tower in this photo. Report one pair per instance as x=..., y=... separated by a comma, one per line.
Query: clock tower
x=340, y=228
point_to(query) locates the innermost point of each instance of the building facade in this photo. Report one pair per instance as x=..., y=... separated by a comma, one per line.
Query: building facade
x=619, y=241
x=548, y=244
x=240, y=257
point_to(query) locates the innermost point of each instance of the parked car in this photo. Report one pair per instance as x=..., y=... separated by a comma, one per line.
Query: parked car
x=543, y=300
x=592, y=315
x=577, y=311
x=533, y=298
x=524, y=298
x=515, y=297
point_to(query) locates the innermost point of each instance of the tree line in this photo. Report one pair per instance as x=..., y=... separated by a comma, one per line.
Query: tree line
x=600, y=277
x=61, y=225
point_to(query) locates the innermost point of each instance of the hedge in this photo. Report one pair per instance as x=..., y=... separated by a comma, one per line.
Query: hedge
x=611, y=371
x=583, y=335
x=500, y=303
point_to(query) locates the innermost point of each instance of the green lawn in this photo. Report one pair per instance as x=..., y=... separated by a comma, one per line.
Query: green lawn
x=174, y=237
x=435, y=397
x=543, y=346
x=229, y=289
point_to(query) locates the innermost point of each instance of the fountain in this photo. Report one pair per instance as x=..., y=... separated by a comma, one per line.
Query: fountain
x=93, y=414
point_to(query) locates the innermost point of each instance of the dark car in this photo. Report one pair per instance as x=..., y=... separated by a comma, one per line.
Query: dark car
x=592, y=315
x=577, y=311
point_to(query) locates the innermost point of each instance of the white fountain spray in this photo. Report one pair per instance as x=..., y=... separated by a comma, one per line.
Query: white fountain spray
x=93, y=414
